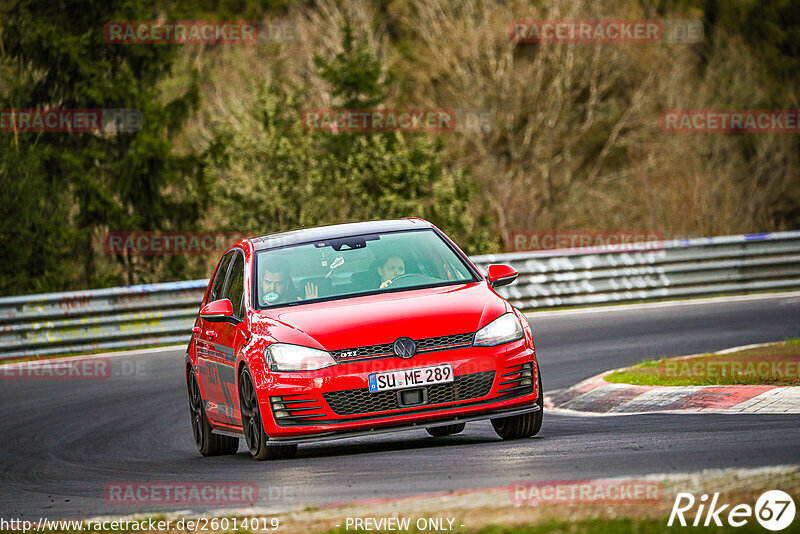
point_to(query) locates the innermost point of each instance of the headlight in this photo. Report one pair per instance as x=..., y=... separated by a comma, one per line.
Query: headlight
x=504, y=329
x=285, y=357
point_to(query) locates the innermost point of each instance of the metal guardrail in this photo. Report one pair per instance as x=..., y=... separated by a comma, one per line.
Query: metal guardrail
x=676, y=269
x=154, y=314
x=102, y=319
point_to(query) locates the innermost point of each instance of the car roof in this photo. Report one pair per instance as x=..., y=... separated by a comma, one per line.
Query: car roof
x=306, y=235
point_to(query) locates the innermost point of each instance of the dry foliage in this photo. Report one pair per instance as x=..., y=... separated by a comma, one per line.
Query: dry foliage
x=576, y=141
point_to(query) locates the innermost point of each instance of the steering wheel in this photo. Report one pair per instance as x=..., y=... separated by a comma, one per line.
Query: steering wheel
x=411, y=279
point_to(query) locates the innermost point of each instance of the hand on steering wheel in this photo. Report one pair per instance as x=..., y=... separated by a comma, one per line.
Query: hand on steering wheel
x=386, y=283
x=396, y=278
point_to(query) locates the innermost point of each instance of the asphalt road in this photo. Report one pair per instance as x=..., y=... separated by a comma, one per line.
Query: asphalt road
x=62, y=441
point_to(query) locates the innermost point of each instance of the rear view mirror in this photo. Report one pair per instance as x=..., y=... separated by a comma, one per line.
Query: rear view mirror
x=501, y=275
x=219, y=311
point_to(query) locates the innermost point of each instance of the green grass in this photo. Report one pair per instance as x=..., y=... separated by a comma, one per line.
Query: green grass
x=774, y=365
x=89, y=526
x=598, y=525
x=607, y=526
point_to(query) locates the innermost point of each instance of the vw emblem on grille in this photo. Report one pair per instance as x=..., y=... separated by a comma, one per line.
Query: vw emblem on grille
x=404, y=347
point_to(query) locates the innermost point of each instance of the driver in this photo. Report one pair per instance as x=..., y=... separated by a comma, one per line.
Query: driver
x=389, y=269
x=276, y=283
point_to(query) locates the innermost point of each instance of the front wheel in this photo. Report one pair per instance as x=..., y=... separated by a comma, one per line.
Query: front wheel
x=207, y=443
x=525, y=425
x=253, y=427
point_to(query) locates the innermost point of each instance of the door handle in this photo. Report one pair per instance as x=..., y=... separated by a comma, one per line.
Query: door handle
x=211, y=334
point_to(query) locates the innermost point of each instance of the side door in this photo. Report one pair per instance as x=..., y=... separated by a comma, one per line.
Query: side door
x=227, y=339
x=205, y=343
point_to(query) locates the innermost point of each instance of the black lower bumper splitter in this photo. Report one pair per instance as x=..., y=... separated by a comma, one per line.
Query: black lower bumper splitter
x=342, y=434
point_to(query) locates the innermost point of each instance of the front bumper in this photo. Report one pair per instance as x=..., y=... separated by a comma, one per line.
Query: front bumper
x=335, y=402
x=333, y=435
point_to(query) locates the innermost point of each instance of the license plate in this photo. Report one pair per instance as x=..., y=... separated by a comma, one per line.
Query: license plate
x=408, y=378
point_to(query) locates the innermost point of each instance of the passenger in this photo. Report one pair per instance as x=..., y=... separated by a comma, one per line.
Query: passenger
x=389, y=269
x=276, y=283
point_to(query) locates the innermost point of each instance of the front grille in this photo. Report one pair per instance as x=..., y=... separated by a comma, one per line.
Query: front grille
x=360, y=401
x=384, y=350
x=295, y=409
x=369, y=351
x=443, y=342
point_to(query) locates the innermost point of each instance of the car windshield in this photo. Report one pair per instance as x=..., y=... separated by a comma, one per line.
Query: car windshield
x=356, y=265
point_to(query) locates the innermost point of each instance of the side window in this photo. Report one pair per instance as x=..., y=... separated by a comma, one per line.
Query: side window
x=235, y=286
x=219, y=278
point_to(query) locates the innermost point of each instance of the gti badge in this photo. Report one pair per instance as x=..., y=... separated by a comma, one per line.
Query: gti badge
x=404, y=347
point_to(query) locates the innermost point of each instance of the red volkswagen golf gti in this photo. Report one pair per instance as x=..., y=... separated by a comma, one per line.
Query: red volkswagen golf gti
x=354, y=329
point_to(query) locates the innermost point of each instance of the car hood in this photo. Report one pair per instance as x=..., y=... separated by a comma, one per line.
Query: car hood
x=382, y=318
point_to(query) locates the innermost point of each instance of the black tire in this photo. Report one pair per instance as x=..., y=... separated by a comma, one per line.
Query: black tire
x=207, y=443
x=253, y=426
x=449, y=430
x=525, y=425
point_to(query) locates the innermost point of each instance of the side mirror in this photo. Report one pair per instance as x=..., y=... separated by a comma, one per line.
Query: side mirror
x=501, y=275
x=219, y=311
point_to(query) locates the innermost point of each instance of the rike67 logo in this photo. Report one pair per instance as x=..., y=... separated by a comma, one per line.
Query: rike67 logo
x=774, y=510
